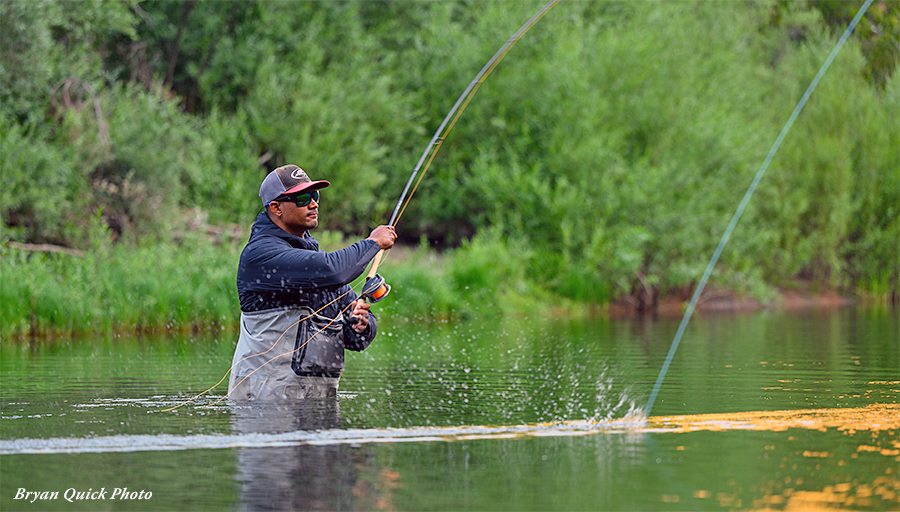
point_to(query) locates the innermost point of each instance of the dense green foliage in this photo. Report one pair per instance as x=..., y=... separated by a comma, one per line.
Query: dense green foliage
x=605, y=154
x=116, y=287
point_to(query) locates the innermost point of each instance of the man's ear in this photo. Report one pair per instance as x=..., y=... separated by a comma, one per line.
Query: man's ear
x=274, y=208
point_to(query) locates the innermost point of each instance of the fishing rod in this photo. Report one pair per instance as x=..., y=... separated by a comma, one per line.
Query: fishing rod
x=375, y=287
x=378, y=286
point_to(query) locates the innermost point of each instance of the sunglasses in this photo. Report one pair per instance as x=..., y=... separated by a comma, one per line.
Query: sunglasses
x=301, y=199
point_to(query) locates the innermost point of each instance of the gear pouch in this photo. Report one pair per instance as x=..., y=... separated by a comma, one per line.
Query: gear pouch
x=319, y=348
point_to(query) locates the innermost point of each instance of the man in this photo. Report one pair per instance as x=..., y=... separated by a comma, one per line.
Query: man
x=298, y=313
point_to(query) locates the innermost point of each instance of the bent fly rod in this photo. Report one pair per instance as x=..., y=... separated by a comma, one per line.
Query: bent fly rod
x=375, y=287
x=431, y=150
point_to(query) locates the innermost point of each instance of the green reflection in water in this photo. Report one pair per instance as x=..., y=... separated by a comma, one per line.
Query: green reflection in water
x=507, y=372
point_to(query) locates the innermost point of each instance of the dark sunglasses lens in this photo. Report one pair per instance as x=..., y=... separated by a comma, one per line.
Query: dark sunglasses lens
x=304, y=199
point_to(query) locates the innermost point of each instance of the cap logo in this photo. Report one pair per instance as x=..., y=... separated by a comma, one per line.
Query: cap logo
x=298, y=174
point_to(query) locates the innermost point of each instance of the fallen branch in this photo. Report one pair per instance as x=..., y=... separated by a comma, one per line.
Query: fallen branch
x=47, y=248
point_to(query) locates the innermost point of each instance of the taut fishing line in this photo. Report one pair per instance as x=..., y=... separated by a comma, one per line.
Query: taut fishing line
x=740, y=210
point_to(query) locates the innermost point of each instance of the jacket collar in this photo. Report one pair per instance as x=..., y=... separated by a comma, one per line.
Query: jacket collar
x=265, y=227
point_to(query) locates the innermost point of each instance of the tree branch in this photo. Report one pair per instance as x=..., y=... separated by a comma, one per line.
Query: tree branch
x=47, y=248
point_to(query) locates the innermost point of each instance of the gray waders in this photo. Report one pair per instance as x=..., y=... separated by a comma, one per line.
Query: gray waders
x=287, y=354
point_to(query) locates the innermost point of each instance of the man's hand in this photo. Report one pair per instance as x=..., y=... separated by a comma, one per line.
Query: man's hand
x=384, y=236
x=360, y=310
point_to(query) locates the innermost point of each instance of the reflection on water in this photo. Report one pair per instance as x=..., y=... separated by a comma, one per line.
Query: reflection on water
x=296, y=477
x=875, y=418
x=762, y=410
x=298, y=456
x=318, y=423
x=333, y=468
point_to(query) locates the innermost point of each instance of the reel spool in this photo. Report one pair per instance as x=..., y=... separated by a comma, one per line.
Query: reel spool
x=375, y=289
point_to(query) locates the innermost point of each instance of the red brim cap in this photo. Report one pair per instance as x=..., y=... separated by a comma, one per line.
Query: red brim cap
x=310, y=185
x=287, y=179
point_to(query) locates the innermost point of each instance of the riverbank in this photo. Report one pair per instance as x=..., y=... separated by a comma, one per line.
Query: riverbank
x=188, y=286
x=717, y=300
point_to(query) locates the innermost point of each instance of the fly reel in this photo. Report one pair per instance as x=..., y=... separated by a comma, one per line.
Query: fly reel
x=375, y=289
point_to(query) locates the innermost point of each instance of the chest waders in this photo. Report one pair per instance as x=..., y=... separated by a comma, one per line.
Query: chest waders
x=305, y=361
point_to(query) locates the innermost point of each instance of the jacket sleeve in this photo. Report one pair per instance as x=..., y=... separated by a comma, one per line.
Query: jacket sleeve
x=357, y=341
x=280, y=267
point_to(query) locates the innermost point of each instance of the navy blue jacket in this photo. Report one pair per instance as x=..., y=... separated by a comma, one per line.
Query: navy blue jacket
x=280, y=270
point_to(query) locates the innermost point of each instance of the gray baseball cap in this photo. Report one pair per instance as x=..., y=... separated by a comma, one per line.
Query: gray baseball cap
x=287, y=179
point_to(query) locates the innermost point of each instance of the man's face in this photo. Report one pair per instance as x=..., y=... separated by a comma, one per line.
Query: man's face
x=298, y=219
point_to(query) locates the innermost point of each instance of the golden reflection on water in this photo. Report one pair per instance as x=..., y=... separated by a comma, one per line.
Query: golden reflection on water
x=875, y=417
x=786, y=495
x=833, y=497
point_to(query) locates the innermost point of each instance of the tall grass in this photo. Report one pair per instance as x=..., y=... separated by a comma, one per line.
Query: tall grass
x=140, y=287
x=189, y=284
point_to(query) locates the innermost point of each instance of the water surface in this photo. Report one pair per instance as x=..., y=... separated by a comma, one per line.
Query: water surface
x=759, y=410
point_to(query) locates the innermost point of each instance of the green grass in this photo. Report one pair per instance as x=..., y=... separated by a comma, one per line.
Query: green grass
x=190, y=284
x=118, y=288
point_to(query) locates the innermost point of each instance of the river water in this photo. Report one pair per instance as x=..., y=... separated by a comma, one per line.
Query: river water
x=764, y=410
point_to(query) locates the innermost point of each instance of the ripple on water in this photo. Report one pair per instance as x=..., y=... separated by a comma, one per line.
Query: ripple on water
x=877, y=417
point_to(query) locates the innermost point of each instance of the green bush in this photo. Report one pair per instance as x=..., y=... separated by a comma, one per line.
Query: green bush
x=42, y=193
x=604, y=156
x=141, y=156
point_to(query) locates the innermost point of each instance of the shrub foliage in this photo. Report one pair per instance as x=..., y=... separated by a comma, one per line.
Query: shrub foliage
x=603, y=157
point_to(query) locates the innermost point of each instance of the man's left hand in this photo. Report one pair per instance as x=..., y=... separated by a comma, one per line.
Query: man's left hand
x=360, y=310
